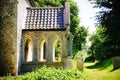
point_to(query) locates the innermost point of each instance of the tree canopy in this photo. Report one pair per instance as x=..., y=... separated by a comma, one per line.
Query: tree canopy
x=97, y=48
x=109, y=18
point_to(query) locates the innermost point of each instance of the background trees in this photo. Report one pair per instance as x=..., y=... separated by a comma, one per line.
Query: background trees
x=80, y=33
x=109, y=19
x=97, y=48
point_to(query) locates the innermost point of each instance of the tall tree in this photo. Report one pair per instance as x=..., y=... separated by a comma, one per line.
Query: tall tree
x=109, y=18
x=80, y=38
x=97, y=48
x=79, y=33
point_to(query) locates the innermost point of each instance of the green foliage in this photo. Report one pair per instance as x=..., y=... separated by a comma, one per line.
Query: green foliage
x=58, y=51
x=102, y=64
x=109, y=18
x=97, y=48
x=47, y=3
x=80, y=55
x=79, y=38
x=79, y=33
x=49, y=73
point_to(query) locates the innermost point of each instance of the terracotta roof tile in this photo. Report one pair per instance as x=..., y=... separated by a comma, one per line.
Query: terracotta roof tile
x=45, y=18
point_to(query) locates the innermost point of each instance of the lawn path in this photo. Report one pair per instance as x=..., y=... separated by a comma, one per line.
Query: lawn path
x=101, y=74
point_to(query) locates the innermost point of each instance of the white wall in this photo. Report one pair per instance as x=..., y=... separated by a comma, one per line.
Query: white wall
x=21, y=17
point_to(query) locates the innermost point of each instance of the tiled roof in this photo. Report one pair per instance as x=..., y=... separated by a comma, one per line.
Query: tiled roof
x=45, y=18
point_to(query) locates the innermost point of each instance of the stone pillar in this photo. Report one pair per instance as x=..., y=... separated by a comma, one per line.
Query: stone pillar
x=68, y=59
x=8, y=37
x=116, y=63
x=35, y=52
x=68, y=62
x=50, y=52
x=67, y=16
x=80, y=64
x=69, y=38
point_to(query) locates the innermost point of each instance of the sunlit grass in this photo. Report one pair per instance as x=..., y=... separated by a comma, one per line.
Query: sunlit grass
x=103, y=71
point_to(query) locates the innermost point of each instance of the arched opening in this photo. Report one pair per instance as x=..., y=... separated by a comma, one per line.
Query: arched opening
x=57, y=51
x=42, y=50
x=28, y=51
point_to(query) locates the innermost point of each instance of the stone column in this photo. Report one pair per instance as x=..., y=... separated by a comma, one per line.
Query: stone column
x=35, y=52
x=68, y=59
x=69, y=38
x=116, y=62
x=8, y=37
x=50, y=51
x=67, y=16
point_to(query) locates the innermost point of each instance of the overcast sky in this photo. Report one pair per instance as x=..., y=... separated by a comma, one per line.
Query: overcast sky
x=87, y=14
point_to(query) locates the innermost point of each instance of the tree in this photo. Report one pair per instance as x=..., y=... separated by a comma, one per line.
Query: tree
x=80, y=38
x=79, y=33
x=97, y=48
x=109, y=18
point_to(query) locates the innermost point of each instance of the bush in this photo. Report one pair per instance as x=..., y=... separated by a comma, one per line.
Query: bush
x=50, y=73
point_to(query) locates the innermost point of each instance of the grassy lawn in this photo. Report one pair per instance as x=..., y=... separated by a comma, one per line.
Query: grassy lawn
x=101, y=72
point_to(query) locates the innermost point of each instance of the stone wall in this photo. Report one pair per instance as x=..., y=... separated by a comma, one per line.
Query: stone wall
x=21, y=17
x=50, y=38
x=8, y=36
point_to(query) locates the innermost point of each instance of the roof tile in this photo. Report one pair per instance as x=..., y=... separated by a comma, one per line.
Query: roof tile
x=45, y=18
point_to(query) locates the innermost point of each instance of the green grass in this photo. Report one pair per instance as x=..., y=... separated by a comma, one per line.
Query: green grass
x=101, y=71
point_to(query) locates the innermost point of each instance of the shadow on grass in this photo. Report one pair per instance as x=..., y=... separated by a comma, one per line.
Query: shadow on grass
x=114, y=69
x=101, y=65
x=97, y=65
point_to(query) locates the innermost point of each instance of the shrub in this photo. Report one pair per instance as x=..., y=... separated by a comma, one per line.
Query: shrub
x=50, y=73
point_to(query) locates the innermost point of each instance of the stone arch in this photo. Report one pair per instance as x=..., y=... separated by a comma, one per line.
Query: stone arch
x=57, y=49
x=42, y=49
x=28, y=50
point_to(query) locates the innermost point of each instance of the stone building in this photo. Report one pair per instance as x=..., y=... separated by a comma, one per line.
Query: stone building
x=32, y=36
x=21, y=19
x=45, y=28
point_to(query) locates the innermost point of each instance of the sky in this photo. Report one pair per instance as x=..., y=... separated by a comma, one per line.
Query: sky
x=87, y=14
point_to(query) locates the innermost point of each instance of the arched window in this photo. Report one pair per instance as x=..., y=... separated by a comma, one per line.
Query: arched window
x=42, y=50
x=28, y=51
x=57, y=51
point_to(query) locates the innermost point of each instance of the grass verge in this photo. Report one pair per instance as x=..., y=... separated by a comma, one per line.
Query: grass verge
x=101, y=71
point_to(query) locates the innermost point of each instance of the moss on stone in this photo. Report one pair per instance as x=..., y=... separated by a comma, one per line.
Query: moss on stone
x=8, y=37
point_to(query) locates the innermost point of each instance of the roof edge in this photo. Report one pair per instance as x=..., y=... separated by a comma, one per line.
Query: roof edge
x=32, y=3
x=44, y=29
x=43, y=7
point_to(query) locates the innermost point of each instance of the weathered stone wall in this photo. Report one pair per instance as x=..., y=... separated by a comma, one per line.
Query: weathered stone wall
x=8, y=36
x=21, y=17
x=50, y=37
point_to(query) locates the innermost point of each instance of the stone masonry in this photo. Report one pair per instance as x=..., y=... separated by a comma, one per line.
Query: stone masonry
x=8, y=36
x=44, y=28
x=38, y=36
